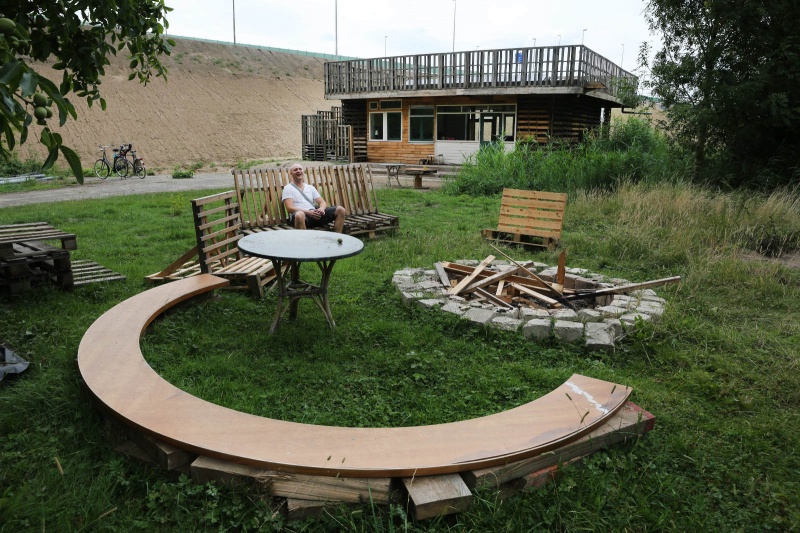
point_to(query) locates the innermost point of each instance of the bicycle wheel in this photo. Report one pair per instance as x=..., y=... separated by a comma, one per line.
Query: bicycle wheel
x=102, y=169
x=122, y=166
x=139, y=169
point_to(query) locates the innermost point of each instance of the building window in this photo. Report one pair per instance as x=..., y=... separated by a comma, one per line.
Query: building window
x=385, y=126
x=468, y=122
x=373, y=106
x=420, y=124
x=391, y=104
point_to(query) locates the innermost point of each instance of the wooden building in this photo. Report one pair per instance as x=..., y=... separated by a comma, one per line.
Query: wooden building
x=406, y=108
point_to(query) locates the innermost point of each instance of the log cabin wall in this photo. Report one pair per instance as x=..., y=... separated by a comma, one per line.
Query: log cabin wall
x=543, y=118
x=559, y=117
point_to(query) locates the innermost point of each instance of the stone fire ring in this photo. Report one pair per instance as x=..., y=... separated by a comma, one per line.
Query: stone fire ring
x=598, y=327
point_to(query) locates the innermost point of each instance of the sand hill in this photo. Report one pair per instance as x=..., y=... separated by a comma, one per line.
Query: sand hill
x=221, y=104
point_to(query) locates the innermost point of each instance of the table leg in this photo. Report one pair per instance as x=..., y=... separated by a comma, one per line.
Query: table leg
x=326, y=267
x=281, y=282
x=295, y=268
x=417, y=181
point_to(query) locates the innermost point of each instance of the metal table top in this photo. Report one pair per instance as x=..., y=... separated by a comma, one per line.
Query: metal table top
x=300, y=245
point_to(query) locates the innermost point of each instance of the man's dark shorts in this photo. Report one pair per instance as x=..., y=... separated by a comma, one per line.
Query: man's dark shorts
x=328, y=217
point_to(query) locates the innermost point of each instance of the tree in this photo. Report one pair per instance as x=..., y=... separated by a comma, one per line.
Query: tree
x=80, y=36
x=728, y=75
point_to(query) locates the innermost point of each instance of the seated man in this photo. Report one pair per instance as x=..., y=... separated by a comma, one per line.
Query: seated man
x=306, y=207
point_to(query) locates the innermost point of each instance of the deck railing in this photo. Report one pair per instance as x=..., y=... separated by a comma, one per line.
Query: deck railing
x=543, y=66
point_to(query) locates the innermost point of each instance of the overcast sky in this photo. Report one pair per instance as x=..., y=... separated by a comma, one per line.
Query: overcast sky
x=370, y=28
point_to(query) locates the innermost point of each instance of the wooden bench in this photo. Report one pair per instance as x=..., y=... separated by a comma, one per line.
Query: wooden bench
x=531, y=218
x=309, y=465
x=111, y=363
x=259, y=196
x=217, y=228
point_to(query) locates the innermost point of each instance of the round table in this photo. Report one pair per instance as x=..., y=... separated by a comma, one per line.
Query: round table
x=289, y=248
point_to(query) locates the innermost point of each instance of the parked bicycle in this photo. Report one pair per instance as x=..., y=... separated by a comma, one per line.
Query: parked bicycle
x=122, y=166
x=102, y=167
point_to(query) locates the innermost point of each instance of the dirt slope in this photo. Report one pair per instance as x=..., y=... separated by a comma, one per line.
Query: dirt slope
x=221, y=104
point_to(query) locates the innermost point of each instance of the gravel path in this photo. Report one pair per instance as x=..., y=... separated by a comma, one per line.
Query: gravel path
x=114, y=186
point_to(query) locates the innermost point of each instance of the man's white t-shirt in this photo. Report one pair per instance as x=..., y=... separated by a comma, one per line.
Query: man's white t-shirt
x=291, y=191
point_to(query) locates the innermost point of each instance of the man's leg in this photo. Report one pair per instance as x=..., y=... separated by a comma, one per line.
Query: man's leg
x=338, y=222
x=299, y=220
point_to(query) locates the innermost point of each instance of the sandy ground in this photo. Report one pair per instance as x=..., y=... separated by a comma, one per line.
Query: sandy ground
x=220, y=104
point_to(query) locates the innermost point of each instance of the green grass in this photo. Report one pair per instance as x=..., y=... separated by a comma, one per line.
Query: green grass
x=719, y=371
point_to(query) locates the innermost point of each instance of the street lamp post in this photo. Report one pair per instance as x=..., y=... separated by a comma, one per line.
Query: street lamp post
x=234, y=20
x=623, y=55
x=559, y=39
x=584, y=35
x=384, y=45
x=455, y=5
x=534, y=42
x=336, y=24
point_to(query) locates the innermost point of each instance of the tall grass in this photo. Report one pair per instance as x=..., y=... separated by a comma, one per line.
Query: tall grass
x=632, y=151
x=719, y=371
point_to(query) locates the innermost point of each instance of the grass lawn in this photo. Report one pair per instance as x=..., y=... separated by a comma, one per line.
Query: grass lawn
x=719, y=370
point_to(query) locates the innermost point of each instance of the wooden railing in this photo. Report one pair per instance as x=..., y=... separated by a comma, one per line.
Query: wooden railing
x=543, y=66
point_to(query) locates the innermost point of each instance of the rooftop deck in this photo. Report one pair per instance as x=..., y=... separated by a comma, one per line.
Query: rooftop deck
x=572, y=69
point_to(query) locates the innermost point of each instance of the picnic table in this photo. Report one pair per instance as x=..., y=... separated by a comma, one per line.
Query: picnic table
x=418, y=172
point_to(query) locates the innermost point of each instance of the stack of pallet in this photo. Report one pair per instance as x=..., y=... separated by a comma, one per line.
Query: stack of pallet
x=26, y=259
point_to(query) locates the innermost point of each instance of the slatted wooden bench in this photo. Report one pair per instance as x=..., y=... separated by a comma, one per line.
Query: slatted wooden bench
x=530, y=218
x=217, y=229
x=259, y=197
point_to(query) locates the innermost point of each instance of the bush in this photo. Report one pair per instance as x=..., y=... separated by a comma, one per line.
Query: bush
x=631, y=152
x=182, y=174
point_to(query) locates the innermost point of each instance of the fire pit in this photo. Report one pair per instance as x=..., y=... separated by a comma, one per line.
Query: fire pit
x=538, y=300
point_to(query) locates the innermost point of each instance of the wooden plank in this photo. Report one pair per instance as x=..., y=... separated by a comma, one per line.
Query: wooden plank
x=433, y=496
x=629, y=422
x=291, y=485
x=469, y=278
x=530, y=273
x=297, y=509
x=494, y=299
x=536, y=295
x=625, y=288
x=491, y=280
x=443, y=277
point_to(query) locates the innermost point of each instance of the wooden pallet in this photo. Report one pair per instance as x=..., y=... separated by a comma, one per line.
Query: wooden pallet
x=530, y=218
x=85, y=272
x=33, y=262
x=34, y=231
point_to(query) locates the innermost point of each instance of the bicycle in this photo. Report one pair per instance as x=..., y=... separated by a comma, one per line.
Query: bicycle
x=138, y=165
x=122, y=166
x=102, y=167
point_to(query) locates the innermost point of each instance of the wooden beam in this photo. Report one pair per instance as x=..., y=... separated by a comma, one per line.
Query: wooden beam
x=468, y=279
x=494, y=299
x=443, y=277
x=437, y=495
x=491, y=280
x=536, y=295
x=624, y=288
x=531, y=274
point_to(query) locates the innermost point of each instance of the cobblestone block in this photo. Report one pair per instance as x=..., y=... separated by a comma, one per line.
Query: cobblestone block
x=589, y=315
x=506, y=322
x=599, y=337
x=478, y=315
x=565, y=314
x=567, y=331
x=537, y=328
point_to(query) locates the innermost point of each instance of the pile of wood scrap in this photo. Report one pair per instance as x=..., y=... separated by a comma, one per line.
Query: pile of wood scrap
x=520, y=286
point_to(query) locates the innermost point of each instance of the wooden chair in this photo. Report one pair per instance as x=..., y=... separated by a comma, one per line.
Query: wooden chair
x=217, y=227
x=530, y=218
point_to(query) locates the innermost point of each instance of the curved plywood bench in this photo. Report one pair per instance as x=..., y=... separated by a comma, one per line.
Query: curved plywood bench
x=111, y=363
